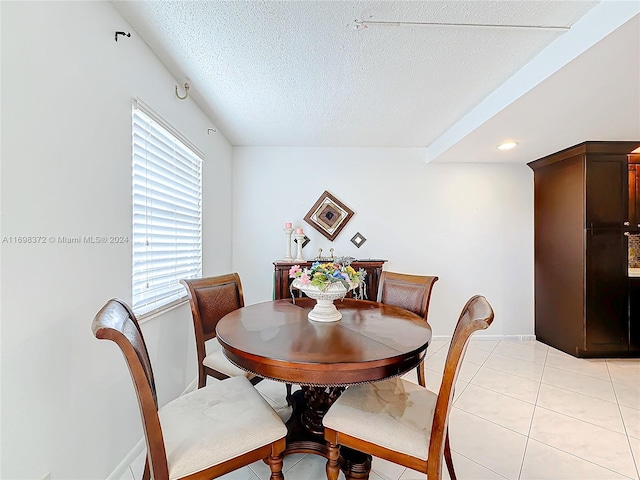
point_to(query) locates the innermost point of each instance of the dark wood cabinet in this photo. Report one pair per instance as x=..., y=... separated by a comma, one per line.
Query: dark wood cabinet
x=282, y=282
x=634, y=314
x=606, y=295
x=634, y=190
x=581, y=217
x=606, y=190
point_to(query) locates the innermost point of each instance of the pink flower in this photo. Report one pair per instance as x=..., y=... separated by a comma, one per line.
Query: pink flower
x=293, y=270
x=304, y=279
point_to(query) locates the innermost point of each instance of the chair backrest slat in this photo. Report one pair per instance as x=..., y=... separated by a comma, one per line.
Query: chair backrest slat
x=411, y=292
x=116, y=322
x=211, y=299
x=477, y=314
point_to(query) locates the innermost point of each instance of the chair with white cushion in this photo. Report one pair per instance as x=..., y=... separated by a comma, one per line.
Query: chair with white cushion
x=211, y=299
x=400, y=421
x=203, y=434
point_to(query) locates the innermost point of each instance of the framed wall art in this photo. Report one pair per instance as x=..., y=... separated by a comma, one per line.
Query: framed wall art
x=358, y=239
x=328, y=215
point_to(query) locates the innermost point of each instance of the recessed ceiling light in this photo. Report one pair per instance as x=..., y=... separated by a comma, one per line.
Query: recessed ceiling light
x=507, y=145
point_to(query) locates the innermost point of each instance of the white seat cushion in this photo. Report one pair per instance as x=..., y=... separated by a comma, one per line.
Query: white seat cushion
x=215, y=359
x=216, y=423
x=395, y=414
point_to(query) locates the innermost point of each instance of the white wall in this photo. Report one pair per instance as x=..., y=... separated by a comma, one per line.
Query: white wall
x=470, y=224
x=67, y=401
x=68, y=406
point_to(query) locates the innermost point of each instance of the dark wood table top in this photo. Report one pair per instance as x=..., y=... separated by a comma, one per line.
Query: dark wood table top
x=371, y=342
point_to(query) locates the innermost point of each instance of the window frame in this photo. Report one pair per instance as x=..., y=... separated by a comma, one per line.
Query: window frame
x=161, y=196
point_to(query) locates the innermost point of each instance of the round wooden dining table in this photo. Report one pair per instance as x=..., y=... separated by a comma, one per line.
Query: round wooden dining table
x=276, y=340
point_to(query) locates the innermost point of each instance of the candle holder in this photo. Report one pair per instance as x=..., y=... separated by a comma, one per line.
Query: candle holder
x=287, y=233
x=300, y=240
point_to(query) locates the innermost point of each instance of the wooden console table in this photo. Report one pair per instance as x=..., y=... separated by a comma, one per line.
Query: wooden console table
x=281, y=280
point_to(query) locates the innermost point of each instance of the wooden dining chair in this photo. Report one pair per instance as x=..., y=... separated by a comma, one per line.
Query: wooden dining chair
x=203, y=434
x=211, y=299
x=411, y=292
x=398, y=420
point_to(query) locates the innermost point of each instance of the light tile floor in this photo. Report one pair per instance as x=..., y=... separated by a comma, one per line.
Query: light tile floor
x=522, y=411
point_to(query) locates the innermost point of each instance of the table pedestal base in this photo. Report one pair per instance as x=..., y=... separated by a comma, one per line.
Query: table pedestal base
x=306, y=434
x=355, y=465
x=317, y=401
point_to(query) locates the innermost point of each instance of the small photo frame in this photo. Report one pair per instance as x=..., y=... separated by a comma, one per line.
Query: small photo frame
x=328, y=215
x=358, y=239
x=305, y=240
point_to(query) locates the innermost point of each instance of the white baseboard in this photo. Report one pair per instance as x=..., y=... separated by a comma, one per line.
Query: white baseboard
x=139, y=447
x=129, y=458
x=191, y=387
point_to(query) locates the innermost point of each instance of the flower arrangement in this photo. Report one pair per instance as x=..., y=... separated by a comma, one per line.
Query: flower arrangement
x=322, y=275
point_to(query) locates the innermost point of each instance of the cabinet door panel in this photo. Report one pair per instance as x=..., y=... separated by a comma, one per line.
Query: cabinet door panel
x=634, y=314
x=607, y=198
x=633, y=213
x=607, y=291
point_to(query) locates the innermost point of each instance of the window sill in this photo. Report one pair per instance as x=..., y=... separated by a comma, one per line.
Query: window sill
x=145, y=317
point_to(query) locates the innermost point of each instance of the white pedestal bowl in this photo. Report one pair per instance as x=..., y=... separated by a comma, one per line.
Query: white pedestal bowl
x=324, y=310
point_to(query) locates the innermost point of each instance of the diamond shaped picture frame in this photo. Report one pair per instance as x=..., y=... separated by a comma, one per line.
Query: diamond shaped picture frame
x=305, y=240
x=329, y=215
x=358, y=239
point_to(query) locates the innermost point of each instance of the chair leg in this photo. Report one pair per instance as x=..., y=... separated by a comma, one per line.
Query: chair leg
x=333, y=469
x=421, y=380
x=447, y=456
x=275, y=464
x=288, y=385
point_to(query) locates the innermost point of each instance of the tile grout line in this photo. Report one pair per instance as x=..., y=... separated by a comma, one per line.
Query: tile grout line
x=477, y=416
x=491, y=421
x=535, y=406
x=582, y=458
x=472, y=376
x=581, y=393
x=460, y=393
x=616, y=402
x=636, y=461
x=511, y=373
x=579, y=373
x=478, y=463
x=582, y=420
x=454, y=400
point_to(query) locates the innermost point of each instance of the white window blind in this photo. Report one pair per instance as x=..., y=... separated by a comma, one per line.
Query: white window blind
x=167, y=212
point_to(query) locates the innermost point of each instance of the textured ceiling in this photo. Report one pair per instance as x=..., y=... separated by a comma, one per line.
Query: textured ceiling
x=305, y=73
